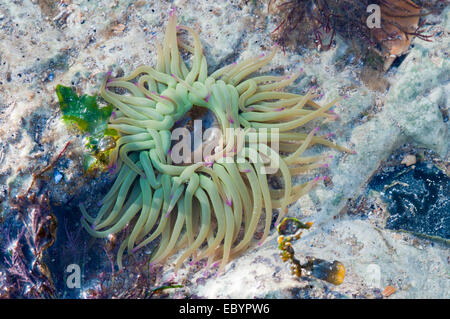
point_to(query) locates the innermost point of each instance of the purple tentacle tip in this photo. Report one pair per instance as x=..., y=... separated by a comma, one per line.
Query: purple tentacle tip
x=317, y=179
x=229, y=202
x=330, y=156
x=113, y=115
x=316, y=129
x=93, y=226
x=231, y=120
x=135, y=250
x=209, y=164
x=325, y=165
x=99, y=203
x=279, y=109
x=207, y=97
x=112, y=168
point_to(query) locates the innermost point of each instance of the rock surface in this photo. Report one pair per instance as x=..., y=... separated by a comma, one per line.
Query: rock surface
x=45, y=43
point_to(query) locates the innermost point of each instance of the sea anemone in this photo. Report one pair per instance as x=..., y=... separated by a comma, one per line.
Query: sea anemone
x=210, y=208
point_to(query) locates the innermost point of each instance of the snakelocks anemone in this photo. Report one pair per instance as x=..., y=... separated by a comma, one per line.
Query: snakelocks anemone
x=209, y=209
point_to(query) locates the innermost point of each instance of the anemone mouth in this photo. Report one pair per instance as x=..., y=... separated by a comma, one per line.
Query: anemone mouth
x=211, y=208
x=204, y=133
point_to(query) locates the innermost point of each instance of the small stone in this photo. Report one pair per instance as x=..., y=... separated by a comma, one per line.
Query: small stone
x=118, y=28
x=409, y=160
x=389, y=290
x=57, y=176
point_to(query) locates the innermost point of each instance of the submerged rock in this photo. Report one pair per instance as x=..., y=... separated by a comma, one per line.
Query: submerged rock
x=417, y=199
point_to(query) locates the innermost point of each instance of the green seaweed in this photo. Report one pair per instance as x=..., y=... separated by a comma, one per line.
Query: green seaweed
x=84, y=113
